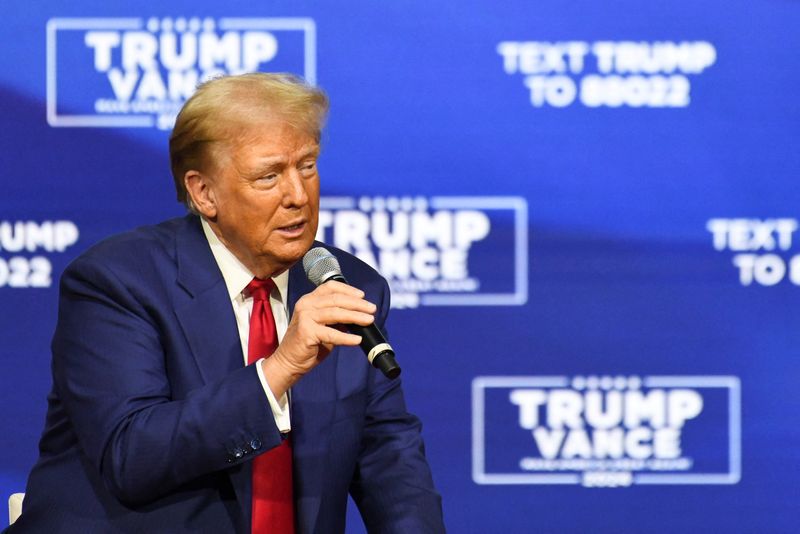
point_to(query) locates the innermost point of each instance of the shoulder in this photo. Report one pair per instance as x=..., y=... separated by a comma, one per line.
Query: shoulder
x=133, y=259
x=135, y=247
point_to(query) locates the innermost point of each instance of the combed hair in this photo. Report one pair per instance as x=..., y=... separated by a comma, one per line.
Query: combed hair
x=221, y=106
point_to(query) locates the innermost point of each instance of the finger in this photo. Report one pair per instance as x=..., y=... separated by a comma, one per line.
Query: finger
x=338, y=287
x=349, y=302
x=332, y=336
x=329, y=316
x=336, y=300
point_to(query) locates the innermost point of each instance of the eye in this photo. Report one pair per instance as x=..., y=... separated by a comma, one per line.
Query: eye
x=308, y=167
x=271, y=177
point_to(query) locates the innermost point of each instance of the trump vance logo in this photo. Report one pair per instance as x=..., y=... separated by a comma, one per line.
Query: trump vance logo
x=136, y=72
x=606, y=431
x=436, y=251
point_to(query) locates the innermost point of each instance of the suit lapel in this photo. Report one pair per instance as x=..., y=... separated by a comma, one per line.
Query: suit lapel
x=206, y=316
x=205, y=311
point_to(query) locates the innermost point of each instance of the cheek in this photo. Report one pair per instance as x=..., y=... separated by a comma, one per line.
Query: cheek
x=312, y=186
x=314, y=220
x=314, y=209
x=312, y=192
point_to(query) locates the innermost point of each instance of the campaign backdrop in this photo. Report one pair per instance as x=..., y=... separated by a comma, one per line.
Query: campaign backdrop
x=587, y=211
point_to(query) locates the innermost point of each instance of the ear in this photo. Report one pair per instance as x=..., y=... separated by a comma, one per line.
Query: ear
x=200, y=189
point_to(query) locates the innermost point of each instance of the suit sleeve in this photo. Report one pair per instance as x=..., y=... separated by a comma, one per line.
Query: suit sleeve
x=109, y=370
x=393, y=487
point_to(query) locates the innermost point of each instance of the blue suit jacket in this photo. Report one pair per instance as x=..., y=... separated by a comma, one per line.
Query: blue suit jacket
x=153, y=419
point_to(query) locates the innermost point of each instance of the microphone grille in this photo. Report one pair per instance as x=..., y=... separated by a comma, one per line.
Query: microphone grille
x=320, y=265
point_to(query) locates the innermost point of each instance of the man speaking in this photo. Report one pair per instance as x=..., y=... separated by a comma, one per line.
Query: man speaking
x=200, y=382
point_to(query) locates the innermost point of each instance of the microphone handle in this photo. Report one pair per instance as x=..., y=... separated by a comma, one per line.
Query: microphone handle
x=379, y=353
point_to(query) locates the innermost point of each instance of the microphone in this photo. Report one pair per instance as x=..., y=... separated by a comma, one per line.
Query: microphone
x=321, y=266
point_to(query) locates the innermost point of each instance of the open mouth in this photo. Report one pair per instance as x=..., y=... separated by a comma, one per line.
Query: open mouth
x=293, y=228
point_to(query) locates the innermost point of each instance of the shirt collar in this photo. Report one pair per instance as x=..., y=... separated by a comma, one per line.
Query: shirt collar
x=235, y=274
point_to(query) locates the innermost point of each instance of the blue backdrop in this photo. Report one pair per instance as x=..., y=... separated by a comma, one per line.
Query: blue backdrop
x=587, y=212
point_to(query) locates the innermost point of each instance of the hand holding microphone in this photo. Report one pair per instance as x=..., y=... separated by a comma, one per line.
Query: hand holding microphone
x=321, y=266
x=312, y=331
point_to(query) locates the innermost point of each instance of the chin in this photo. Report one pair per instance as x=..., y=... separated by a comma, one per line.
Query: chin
x=293, y=252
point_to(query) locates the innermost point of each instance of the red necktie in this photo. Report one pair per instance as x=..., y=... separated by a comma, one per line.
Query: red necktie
x=273, y=503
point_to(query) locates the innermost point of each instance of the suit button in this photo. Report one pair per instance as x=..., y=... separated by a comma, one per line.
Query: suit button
x=255, y=444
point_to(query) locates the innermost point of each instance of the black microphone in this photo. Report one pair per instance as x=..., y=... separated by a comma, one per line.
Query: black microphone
x=321, y=266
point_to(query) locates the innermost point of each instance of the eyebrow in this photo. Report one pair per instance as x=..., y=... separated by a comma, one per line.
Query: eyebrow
x=312, y=151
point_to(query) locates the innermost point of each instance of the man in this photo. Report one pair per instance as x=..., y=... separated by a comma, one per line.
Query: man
x=155, y=423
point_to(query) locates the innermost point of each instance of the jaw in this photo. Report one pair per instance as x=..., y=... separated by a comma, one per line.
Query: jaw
x=281, y=253
x=268, y=249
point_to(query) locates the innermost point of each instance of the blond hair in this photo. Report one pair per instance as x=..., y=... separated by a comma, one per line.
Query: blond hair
x=222, y=105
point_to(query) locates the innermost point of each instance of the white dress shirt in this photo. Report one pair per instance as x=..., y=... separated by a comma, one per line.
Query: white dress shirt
x=236, y=277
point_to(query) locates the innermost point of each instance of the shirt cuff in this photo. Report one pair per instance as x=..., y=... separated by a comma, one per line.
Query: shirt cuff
x=280, y=407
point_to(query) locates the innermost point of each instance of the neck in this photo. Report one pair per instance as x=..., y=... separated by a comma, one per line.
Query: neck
x=260, y=267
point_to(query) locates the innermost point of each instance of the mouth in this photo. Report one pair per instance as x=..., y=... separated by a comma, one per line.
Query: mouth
x=293, y=230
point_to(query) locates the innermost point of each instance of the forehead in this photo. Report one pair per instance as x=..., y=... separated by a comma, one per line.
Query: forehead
x=267, y=134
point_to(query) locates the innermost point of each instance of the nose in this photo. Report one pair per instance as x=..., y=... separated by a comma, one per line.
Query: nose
x=294, y=190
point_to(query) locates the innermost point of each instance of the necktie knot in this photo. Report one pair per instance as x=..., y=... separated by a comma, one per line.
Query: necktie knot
x=260, y=289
